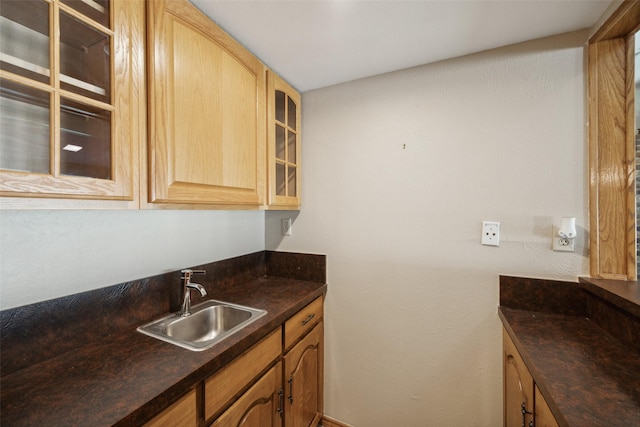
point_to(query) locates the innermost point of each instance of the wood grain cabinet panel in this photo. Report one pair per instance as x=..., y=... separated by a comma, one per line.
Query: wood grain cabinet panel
x=524, y=405
x=260, y=406
x=302, y=322
x=542, y=414
x=180, y=414
x=207, y=135
x=303, y=380
x=221, y=388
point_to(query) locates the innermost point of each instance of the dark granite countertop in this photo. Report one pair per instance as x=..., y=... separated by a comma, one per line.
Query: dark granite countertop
x=127, y=377
x=622, y=293
x=588, y=377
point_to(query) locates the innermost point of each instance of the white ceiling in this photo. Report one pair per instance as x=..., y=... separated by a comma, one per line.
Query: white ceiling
x=317, y=43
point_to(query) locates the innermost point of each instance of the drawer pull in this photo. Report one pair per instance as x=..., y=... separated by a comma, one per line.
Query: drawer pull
x=280, y=409
x=290, y=390
x=523, y=409
x=308, y=319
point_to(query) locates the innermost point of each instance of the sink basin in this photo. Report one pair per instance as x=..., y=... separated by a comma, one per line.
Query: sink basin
x=209, y=323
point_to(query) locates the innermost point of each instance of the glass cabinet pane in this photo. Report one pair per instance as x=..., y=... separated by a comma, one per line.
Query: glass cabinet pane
x=24, y=39
x=280, y=180
x=84, y=59
x=291, y=181
x=85, y=140
x=25, y=123
x=291, y=112
x=98, y=10
x=280, y=105
x=280, y=142
x=291, y=147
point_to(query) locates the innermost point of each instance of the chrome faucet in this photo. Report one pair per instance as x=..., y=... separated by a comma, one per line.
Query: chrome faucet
x=187, y=288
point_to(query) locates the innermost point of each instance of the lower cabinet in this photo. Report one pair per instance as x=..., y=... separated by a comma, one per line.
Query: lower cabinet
x=263, y=387
x=524, y=405
x=181, y=414
x=303, y=372
x=260, y=406
x=223, y=387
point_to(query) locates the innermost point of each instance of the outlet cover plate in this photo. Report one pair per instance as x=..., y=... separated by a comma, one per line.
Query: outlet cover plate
x=562, y=245
x=286, y=227
x=490, y=233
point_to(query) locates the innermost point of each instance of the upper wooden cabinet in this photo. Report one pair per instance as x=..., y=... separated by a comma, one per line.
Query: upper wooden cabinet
x=206, y=113
x=71, y=103
x=283, y=127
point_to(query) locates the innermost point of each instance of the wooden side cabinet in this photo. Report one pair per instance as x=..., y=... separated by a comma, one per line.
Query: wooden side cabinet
x=304, y=367
x=303, y=380
x=524, y=405
x=284, y=109
x=207, y=133
x=72, y=103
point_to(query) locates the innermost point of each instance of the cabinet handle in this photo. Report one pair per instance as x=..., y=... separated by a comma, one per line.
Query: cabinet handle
x=291, y=390
x=308, y=319
x=523, y=408
x=280, y=409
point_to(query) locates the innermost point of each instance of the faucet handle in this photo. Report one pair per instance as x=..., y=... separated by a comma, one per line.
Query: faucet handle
x=188, y=273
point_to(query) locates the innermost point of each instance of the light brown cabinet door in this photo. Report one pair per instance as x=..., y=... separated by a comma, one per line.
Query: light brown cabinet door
x=260, y=406
x=543, y=415
x=206, y=112
x=72, y=100
x=303, y=376
x=284, y=109
x=518, y=387
x=225, y=385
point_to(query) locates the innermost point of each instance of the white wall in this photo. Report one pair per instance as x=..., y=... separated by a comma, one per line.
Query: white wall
x=49, y=254
x=399, y=171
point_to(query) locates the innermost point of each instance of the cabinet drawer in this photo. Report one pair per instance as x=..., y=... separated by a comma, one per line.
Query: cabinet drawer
x=222, y=387
x=180, y=414
x=302, y=322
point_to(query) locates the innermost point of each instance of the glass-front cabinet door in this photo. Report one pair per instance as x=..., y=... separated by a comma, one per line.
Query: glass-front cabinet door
x=283, y=145
x=68, y=111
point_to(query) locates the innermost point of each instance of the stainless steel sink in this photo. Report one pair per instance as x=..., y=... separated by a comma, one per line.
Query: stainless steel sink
x=209, y=323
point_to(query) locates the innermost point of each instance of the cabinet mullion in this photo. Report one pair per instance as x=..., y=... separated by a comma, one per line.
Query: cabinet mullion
x=85, y=100
x=54, y=66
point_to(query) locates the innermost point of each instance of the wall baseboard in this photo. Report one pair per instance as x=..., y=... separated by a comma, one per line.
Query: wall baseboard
x=331, y=422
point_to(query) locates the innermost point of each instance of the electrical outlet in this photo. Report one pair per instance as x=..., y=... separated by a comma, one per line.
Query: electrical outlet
x=286, y=227
x=561, y=244
x=490, y=233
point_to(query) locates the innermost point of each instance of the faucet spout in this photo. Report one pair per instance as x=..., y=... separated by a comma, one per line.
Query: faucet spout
x=185, y=310
x=198, y=288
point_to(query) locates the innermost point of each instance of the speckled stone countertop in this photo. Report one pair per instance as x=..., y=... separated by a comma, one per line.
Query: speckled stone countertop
x=588, y=378
x=126, y=378
x=588, y=372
